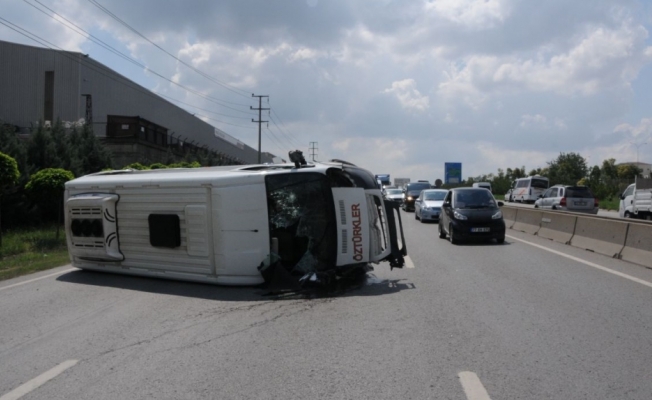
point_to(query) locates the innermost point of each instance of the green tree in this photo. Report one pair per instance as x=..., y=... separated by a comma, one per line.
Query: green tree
x=93, y=155
x=627, y=171
x=48, y=184
x=9, y=175
x=41, y=150
x=567, y=169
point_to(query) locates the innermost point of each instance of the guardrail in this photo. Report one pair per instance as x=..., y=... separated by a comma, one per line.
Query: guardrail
x=629, y=240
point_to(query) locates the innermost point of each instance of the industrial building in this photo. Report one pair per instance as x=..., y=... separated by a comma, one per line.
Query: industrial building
x=40, y=84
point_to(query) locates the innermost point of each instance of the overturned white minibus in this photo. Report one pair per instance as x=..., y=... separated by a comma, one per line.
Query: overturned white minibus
x=230, y=224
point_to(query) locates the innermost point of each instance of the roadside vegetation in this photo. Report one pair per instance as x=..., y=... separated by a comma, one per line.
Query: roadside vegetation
x=25, y=251
x=606, y=181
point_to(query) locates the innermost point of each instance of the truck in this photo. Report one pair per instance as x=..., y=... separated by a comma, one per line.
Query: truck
x=636, y=200
x=233, y=225
x=383, y=180
x=401, y=182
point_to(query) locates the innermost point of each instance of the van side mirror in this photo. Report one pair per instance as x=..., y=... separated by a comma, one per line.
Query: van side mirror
x=500, y=204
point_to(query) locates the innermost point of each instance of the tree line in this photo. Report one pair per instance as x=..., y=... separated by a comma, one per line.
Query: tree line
x=607, y=180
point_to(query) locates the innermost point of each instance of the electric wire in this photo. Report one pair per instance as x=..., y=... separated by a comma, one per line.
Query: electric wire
x=135, y=62
x=233, y=89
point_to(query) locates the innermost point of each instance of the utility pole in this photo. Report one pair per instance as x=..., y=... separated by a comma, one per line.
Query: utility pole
x=313, y=148
x=260, y=121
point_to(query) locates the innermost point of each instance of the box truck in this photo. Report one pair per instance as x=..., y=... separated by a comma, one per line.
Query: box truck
x=233, y=225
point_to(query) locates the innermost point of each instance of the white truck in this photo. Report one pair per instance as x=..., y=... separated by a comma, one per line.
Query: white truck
x=636, y=200
x=233, y=225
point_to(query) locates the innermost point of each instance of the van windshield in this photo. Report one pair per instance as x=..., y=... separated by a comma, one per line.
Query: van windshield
x=302, y=221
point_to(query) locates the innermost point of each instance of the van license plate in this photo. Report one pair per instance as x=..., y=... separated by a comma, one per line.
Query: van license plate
x=479, y=229
x=580, y=203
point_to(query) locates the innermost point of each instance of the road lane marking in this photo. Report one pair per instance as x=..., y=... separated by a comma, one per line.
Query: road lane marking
x=408, y=262
x=37, y=279
x=27, y=387
x=589, y=263
x=472, y=386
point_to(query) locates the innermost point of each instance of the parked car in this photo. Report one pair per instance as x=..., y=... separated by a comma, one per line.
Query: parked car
x=395, y=195
x=427, y=206
x=568, y=198
x=471, y=213
x=508, y=196
x=411, y=192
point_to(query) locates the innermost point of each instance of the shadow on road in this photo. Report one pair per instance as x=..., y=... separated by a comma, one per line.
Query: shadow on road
x=364, y=285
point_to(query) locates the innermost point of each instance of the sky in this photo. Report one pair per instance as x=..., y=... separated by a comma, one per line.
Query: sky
x=398, y=87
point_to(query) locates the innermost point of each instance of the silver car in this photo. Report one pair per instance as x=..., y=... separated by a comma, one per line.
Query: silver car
x=568, y=198
x=427, y=206
x=395, y=195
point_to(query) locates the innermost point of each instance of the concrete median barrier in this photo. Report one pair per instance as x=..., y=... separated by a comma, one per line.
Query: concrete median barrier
x=604, y=236
x=528, y=221
x=638, y=246
x=558, y=227
x=509, y=216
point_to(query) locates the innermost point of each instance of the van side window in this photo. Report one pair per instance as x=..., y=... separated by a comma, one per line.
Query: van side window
x=553, y=192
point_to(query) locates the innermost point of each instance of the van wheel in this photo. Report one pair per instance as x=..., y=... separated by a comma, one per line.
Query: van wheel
x=442, y=234
x=627, y=215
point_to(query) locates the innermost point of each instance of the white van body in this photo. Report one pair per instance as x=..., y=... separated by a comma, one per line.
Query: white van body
x=485, y=185
x=225, y=224
x=636, y=200
x=528, y=190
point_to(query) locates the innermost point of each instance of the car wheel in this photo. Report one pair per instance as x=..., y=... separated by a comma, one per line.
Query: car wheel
x=536, y=205
x=500, y=240
x=451, y=234
x=442, y=234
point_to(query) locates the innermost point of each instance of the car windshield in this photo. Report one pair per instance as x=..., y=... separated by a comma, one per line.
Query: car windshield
x=394, y=191
x=434, y=195
x=474, y=199
x=413, y=187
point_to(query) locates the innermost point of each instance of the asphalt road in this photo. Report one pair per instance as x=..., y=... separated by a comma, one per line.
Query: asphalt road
x=474, y=321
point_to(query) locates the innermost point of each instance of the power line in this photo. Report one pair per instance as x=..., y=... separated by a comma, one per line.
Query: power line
x=233, y=89
x=119, y=53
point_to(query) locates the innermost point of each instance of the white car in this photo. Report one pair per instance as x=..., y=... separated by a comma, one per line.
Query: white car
x=427, y=206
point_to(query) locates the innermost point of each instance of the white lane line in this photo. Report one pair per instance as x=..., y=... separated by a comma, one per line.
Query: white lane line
x=472, y=386
x=37, y=279
x=589, y=263
x=27, y=387
x=408, y=262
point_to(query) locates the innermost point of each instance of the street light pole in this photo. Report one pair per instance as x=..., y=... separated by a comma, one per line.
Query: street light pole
x=637, y=146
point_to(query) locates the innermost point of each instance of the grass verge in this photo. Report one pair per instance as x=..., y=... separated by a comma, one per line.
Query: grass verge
x=25, y=251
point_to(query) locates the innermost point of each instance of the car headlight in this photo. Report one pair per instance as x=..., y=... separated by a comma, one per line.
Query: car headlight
x=497, y=215
x=409, y=197
x=459, y=215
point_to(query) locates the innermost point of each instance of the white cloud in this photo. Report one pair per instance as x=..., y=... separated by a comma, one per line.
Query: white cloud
x=537, y=121
x=474, y=14
x=409, y=97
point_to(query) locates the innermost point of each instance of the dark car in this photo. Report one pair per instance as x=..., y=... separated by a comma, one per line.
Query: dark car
x=471, y=213
x=411, y=192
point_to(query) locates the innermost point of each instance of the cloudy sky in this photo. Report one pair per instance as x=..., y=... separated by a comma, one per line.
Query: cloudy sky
x=395, y=86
